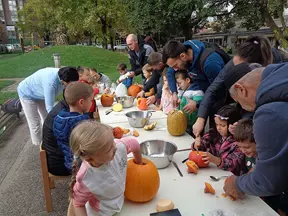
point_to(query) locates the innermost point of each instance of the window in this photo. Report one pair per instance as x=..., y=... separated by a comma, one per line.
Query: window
x=11, y=34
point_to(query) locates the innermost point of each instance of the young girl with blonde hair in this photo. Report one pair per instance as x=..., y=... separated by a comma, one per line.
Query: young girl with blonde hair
x=97, y=188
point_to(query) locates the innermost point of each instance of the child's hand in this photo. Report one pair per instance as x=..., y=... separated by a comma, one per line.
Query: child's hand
x=117, y=81
x=107, y=90
x=208, y=157
x=157, y=108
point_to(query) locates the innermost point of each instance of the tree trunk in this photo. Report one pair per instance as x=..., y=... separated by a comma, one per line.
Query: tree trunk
x=111, y=34
x=89, y=39
x=104, y=31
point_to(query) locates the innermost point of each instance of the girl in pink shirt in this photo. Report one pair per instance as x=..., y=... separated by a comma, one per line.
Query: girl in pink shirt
x=166, y=98
x=97, y=188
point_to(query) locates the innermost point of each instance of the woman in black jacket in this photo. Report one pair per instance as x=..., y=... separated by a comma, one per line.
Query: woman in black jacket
x=255, y=49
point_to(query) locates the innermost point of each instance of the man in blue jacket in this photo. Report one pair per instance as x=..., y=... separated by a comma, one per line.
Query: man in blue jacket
x=187, y=56
x=266, y=93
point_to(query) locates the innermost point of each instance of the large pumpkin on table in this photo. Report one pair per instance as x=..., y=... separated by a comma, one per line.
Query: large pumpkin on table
x=142, y=181
x=107, y=100
x=133, y=90
x=197, y=158
x=176, y=122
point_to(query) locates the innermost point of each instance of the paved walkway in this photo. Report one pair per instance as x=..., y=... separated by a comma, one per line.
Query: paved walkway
x=21, y=191
x=13, y=87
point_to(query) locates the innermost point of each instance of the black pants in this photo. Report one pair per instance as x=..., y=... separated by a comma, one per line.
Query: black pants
x=278, y=202
x=58, y=170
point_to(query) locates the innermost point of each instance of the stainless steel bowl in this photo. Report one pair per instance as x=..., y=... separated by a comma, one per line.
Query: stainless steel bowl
x=126, y=101
x=138, y=119
x=160, y=152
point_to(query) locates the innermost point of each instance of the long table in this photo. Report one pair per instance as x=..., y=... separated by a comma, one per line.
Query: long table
x=186, y=192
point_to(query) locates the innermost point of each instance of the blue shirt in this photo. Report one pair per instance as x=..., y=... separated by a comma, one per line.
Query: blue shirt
x=44, y=84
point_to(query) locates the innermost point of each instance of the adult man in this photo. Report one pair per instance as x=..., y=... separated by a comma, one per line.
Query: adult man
x=138, y=55
x=266, y=93
x=187, y=56
x=37, y=94
x=154, y=60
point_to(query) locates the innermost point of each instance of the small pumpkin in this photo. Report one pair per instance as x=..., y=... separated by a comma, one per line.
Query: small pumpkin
x=209, y=188
x=142, y=181
x=107, y=100
x=118, y=132
x=117, y=107
x=197, y=158
x=133, y=90
x=192, y=167
x=136, y=133
x=176, y=123
x=125, y=131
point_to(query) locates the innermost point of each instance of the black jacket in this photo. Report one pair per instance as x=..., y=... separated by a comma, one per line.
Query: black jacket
x=153, y=82
x=55, y=157
x=137, y=62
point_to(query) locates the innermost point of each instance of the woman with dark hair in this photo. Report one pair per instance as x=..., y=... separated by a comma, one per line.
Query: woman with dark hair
x=221, y=147
x=256, y=49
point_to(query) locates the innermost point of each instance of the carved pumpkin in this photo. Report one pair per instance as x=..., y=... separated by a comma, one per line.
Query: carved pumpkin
x=107, y=100
x=142, y=181
x=192, y=167
x=209, y=188
x=176, y=123
x=197, y=158
x=118, y=132
x=134, y=90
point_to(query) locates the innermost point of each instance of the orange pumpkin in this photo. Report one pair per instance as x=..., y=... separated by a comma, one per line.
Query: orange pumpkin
x=197, y=158
x=209, y=188
x=118, y=132
x=176, y=123
x=107, y=100
x=133, y=90
x=192, y=167
x=142, y=181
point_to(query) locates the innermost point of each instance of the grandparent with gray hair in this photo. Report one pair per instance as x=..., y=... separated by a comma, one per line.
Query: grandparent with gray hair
x=265, y=92
x=138, y=55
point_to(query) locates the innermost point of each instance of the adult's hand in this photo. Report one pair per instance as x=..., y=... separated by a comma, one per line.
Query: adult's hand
x=231, y=189
x=190, y=106
x=175, y=100
x=151, y=100
x=198, y=126
x=132, y=74
x=232, y=128
x=140, y=94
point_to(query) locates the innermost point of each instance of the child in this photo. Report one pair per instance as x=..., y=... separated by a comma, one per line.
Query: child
x=78, y=96
x=166, y=98
x=220, y=145
x=98, y=187
x=245, y=140
x=84, y=76
x=124, y=78
x=101, y=78
x=147, y=73
x=185, y=83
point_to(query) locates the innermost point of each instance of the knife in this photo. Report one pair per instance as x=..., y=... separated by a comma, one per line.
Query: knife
x=176, y=166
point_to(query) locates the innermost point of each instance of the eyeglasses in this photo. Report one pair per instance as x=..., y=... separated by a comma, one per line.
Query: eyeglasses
x=221, y=117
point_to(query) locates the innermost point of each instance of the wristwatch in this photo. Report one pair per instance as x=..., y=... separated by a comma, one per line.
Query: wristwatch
x=198, y=104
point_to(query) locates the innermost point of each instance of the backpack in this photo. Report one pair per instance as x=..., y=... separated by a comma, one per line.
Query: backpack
x=12, y=106
x=210, y=48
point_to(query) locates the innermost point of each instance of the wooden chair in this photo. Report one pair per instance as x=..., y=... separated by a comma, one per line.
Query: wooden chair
x=48, y=179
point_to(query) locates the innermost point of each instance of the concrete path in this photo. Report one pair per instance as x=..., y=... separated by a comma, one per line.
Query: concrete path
x=21, y=190
x=13, y=87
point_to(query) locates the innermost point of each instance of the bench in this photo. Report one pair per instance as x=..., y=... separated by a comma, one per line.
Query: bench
x=7, y=122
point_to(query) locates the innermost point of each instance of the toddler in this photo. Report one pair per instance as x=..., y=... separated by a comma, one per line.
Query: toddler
x=220, y=145
x=97, y=188
x=101, y=78
x=78, y=96
x=124, y=75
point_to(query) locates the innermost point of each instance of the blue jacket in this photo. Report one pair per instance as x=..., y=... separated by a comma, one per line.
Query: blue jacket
x=64, y=122
x=201, y=80
x=44, y=84
x=270, y=176
x=127, y=82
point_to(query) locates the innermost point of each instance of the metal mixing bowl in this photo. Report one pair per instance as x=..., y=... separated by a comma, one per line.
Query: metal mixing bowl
x=126, y=101
x=138, y=119
x=160, y=152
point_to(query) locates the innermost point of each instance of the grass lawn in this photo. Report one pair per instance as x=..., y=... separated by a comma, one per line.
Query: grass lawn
x=23, y=65
x=4, y=83
x=4, y=96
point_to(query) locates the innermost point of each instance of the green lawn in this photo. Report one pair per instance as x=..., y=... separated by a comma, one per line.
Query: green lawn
x=23, y=65
x=4, y=83
x=4, y=96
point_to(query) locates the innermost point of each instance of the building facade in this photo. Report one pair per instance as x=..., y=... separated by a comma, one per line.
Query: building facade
x=8, y=19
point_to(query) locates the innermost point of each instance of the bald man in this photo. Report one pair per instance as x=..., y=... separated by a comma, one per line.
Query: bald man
x=265, y=91
x=138, y=55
